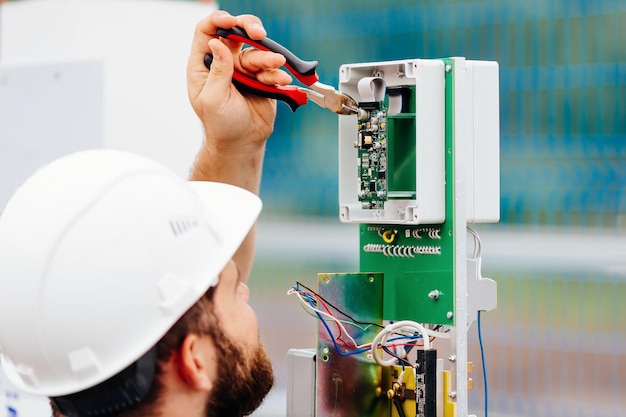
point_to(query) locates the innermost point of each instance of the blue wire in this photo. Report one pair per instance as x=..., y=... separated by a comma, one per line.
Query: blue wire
x=482, y=355
x=332, y=338
x=419, y=336
x=354, y=352
x=357, y=351
x=330, y=333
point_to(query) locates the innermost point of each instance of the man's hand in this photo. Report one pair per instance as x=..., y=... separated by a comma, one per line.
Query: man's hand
x=235, y=125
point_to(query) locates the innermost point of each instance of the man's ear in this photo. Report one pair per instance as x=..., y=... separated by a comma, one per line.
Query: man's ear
x=198, y=362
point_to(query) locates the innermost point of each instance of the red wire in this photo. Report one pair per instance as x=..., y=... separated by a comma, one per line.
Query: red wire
x=321, y=302
x=339, y=337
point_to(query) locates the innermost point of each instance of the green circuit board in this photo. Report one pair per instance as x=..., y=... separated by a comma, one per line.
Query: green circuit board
x=417, y=261
x=372, y=159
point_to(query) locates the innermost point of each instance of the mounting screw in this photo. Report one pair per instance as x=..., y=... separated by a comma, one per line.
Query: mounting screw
x=371, y=278
x=452, y=358
x=325, y=354
x=434, y=295
x=449, y=314
x=452, y=394
x=448, y=68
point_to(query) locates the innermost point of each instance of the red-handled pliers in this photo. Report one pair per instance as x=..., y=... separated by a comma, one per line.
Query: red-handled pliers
x=321, y=94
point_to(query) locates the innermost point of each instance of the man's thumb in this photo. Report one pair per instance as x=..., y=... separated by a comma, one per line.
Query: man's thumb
x=221, y=69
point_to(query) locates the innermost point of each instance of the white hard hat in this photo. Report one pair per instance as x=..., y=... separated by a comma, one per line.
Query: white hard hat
x=101, y=252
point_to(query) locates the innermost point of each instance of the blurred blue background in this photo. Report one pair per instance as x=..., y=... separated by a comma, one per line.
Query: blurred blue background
x=556, y=343
x=563, y=95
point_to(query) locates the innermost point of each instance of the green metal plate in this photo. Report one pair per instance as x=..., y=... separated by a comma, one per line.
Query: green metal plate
x=350, y=386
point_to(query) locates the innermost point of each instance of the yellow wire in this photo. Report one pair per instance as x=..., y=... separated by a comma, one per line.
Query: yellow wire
x=388, y=236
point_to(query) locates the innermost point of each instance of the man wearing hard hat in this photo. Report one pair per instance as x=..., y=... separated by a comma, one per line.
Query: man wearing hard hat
x=122, y=286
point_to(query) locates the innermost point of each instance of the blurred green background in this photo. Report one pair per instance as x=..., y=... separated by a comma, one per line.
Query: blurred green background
x=556, y=344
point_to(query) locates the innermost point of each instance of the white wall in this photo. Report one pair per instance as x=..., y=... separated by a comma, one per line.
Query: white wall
x=143, y=45
x=47, y=111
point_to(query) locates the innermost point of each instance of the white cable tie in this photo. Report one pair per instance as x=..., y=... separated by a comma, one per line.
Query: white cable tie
x=371, y=89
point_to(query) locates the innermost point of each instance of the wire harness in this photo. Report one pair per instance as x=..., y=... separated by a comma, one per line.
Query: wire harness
x=396, y=339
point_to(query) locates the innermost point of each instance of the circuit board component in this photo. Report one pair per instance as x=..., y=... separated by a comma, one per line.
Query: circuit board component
x=371, y=144
x=426, y=383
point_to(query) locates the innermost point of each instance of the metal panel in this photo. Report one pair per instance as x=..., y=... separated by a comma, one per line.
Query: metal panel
x=301, y=383
x=349, y=386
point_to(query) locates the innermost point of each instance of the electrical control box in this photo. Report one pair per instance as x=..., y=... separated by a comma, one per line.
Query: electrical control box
x=392, y=163
x=418, y=164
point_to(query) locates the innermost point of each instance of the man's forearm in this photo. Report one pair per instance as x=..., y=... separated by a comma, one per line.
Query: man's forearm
x=240, y=169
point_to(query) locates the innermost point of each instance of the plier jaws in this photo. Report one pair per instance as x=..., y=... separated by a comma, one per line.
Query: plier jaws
x=304, y=71
x=327, y=97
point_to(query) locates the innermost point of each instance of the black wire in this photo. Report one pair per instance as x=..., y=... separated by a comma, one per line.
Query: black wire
x=398, y=404
x=298, y=284
x=408, y=349
x=403, y=360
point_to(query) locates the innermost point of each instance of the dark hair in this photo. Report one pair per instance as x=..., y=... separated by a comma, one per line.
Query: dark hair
x=136, y=390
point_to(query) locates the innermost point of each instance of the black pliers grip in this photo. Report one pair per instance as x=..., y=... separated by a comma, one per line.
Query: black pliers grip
x=304, y=71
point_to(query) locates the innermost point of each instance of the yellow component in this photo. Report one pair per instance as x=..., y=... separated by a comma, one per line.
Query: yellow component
x=389, y=236
x=470, y=368
x=449, y=406
x=406, y=383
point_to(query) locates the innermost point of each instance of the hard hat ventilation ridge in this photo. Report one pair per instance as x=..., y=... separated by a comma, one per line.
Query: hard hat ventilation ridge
x=182, y=225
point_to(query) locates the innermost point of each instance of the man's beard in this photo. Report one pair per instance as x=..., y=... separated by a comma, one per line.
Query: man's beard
x=242, y=382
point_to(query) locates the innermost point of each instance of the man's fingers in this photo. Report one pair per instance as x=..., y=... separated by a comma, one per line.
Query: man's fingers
x=252, y=25
x=264, y=66
x=253, y=60
x=206, y=29
x=228, y=57
x=274, y=77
